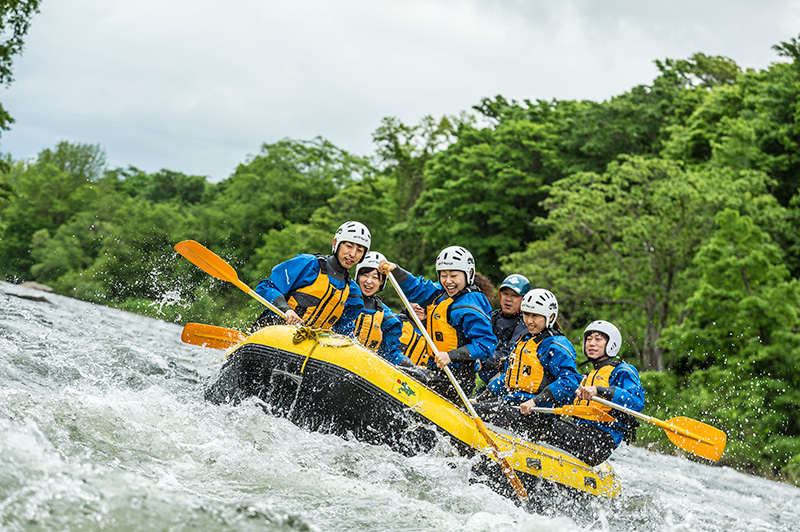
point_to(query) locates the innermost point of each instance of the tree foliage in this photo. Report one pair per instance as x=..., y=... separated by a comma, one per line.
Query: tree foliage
x=741, y=335
x=15, y=19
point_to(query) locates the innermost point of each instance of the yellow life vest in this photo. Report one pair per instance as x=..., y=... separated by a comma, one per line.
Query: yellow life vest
x=414, y=345
x=320, y=304
x=598, y=377
x=368, y=329
x=444, y=336
x=525, y=372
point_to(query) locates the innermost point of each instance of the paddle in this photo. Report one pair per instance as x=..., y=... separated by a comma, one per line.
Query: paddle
x=519, y=489
x=688, y=434
x=211, y=336
x=582, y=411
x=213, y=265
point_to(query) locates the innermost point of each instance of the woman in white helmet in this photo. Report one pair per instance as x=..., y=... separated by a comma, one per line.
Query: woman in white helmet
x=377, y=327
x=316, y=290
x=611, y=379
x=457, y=316
x=540, y=370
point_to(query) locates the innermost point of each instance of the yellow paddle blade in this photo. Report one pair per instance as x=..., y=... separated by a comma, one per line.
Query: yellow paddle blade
x=695, y=436
x=212, y=264
x=211, y=336
x=207, y=260
x=585, y=412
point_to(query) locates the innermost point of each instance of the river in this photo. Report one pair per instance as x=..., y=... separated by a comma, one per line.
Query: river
x=103, y=426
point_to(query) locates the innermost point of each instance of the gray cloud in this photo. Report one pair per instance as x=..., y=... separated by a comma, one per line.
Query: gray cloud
x=196, y=86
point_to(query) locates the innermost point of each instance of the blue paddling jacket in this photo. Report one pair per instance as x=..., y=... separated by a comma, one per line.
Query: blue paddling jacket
x=540, y=368
x=619, y=383
x=459, y=325
x=317, y=288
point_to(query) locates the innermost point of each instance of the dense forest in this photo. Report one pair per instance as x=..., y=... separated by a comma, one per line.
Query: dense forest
x=672, y=210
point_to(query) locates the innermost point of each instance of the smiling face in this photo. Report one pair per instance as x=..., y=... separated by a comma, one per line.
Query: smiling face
x=453, y=281
x=509, y=301
x=350, y=254
x=535, y=322
x=369, y=280
x=594, y=345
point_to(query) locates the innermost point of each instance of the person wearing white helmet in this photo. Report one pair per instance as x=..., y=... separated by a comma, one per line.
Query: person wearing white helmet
x=507, y=324
x=457, y=316
x=316, y=290
x=611, y=379
x=377, y=327
x=540, y=370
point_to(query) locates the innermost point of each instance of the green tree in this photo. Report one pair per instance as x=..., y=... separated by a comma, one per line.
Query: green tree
x=163, y=186
x=483, y=191
x=369, y=201
x=285, y=184
x=402, y=154
x=621, y=242
x=15, y=19
x=136, y=258
x=741, y=336
x=83, y=162
x=751, y=123
x=43, y=195
x=62, y=256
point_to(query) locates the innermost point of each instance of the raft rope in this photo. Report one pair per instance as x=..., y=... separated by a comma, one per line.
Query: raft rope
x=303, y=334
x=307, y=333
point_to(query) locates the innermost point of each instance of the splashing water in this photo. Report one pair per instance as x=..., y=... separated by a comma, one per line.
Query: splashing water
x=103, y=427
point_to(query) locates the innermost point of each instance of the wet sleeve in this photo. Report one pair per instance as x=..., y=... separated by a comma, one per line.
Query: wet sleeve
x=417, y=289
x=346, y=324
x=390, y=347
x=561, y=365
x=627, y=388
x=355, y=299
x=476, y=328
x=297, y=272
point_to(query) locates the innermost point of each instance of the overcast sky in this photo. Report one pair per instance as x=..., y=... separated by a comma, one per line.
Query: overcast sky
x=197, y=86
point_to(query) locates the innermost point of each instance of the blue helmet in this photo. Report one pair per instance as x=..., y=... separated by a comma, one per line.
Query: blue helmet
x=518, y=283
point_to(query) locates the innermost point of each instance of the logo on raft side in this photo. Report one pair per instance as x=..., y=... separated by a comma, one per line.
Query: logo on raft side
x=405, y=388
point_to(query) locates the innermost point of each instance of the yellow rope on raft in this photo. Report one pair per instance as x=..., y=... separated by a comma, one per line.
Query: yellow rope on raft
x=303, y=334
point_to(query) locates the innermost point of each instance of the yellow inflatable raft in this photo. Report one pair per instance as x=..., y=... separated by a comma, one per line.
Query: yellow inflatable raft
x=326, y=382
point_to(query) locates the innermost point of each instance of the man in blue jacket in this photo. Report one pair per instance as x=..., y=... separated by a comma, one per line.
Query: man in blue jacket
x=611, y=379
x=317, y=290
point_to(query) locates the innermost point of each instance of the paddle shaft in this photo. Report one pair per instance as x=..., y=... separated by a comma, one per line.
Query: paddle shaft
x=507, y=469
x=651, y=420
x=214, y=265
x=585, y=412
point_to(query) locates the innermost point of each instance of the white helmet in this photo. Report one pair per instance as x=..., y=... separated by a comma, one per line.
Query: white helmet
x=354, y=232
x=542, y=302
x=458, y=259
x=372, y=259
x=610, y=331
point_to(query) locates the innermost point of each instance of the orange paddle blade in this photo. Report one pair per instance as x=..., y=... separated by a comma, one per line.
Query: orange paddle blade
x=207, y=260
x=696, y=437
x=211, y=336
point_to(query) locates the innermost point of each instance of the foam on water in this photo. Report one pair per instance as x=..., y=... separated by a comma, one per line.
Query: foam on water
x=103, y=426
